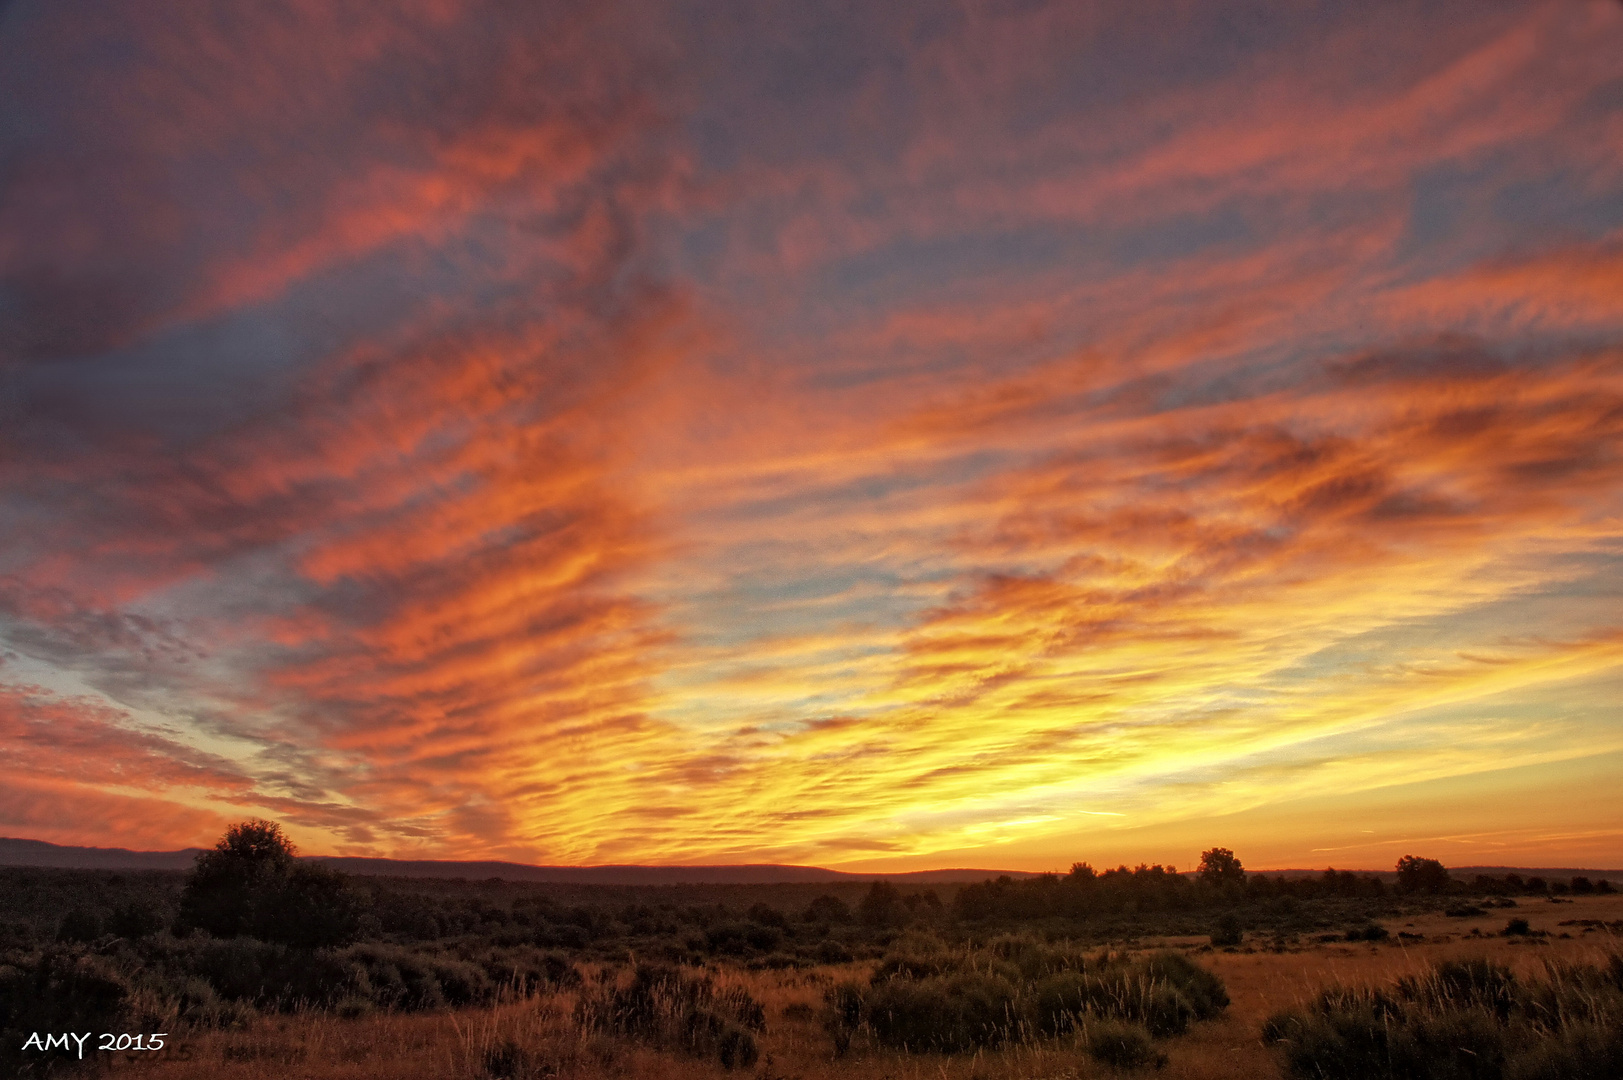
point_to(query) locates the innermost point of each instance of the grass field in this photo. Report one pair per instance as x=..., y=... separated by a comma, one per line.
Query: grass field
x=541, y=1035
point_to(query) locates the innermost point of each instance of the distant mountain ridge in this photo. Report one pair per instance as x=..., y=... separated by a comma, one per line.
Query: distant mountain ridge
x=39, y=853
x=15, y=852
x=1464, y=873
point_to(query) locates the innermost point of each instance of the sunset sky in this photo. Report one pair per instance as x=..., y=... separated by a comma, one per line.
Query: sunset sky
x=872, y=435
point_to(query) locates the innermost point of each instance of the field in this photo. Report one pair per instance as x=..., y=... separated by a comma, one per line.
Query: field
x=564, y=1010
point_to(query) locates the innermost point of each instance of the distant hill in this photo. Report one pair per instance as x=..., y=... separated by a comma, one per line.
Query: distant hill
x=739, y=874
x=1463, y=873
x=40, y=853
x=1468, y=872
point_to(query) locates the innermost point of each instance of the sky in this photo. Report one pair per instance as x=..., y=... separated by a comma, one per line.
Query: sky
x=877, y=436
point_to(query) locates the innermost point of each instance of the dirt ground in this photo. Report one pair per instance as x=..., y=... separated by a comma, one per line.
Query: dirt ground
x=1263, y=977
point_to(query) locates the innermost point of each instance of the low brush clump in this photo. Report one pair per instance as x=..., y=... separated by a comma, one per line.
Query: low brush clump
x=670, y=1010
x=160, y=983
x=1471, y=1020
x=924, y=997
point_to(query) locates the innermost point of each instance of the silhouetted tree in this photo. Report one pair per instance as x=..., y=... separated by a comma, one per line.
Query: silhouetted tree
x=1417, y=875
x=252, y=885
x=829, y=909
x=135, y=919
x=882, y=906
x=79, y=924
x=767, y=915
x=1220, y=867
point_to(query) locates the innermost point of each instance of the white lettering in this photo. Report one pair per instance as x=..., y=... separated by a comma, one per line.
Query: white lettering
x=81, y=1040
x=54, y=1041
x=33, y=1040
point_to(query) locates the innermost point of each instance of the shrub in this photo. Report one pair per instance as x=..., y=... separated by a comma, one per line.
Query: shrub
x=1417, y=875
x=396, y=978
x=251, y=885
x=1368, y=932
x=1122, y=1046
x=767, y=915
x=662, y=1006
x=61, y=991
x=735, y=1048
x=829, y=951
x=951, y=1002
x=956, y=1013
x=525, y=970
x=136, y=919
x=882, y=906
x=1201, y=988
x=1578, y=1052
x=763, y=938
x=1471, y=1020
x=1476, y=983
x=507, y=1061
x=1516, y=928
x=1228, y=932
x=729, y=938
x=1060, y=1001
x=80, y=924
x=843, y=1014
x=827, y=909
x=1219, y=866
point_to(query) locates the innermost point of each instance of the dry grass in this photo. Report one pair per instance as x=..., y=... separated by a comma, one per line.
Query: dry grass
x=476, y=1044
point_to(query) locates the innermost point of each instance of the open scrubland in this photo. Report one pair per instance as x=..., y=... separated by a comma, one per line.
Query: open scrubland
x=1126, y=973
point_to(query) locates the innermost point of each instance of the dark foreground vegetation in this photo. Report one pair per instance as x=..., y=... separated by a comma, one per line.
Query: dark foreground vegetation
x=928, y=996
x=943, y=969
x=1471, y=1020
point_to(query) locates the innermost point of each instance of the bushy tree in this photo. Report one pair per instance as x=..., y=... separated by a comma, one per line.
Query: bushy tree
x=829, y=909
x=1219, y=866
x=1417, y=875
x=136, y=919
x=252, y=885
x=882, y=906
x=79, y=924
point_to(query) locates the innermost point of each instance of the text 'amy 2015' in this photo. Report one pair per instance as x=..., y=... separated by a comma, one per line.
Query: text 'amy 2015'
x=73, y=1041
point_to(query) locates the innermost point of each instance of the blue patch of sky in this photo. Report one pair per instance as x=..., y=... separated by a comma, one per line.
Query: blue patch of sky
x=1461, y=214
x=1579, y=599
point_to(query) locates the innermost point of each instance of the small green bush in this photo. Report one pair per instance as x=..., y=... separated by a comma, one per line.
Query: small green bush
x=829, y=951
x=1227, y=933
x=955, y=1013
x=924, y=998
x=662, y=1006
x=1122, y=1046
x=507, y=1061
x=136, y=919
x=843, y=1008
x=80, y=924
x=61, y=991
x=1368, y=932
x=827, y=909
x=1463, y=1020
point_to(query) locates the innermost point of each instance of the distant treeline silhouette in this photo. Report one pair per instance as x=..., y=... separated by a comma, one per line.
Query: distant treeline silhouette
x=1221, y=882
